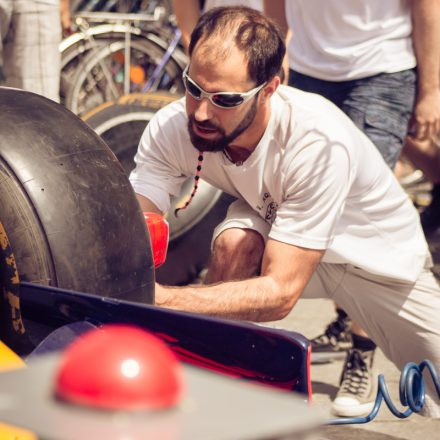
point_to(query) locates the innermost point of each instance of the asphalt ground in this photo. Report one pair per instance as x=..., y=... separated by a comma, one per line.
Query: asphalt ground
x=310, y=317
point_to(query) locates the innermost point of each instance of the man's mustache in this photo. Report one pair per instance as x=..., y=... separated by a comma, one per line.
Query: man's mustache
x=204, y=124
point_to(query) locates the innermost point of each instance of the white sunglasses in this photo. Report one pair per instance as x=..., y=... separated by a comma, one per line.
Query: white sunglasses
x=219, y=99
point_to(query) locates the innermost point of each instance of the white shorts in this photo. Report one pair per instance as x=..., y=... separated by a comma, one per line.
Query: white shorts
x=402, y=318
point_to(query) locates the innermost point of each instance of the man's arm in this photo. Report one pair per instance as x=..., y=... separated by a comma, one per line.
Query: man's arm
x=187, y=14
x=277, y=11
x=66, y=18
x=268, y=297
x=426, y=42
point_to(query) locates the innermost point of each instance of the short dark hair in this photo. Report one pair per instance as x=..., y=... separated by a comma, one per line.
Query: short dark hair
x=255, y=34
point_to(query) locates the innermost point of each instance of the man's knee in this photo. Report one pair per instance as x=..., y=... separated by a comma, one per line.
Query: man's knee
x=237, y=254
x=242, y=243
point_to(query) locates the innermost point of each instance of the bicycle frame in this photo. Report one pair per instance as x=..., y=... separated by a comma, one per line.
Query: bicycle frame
x=125, y=25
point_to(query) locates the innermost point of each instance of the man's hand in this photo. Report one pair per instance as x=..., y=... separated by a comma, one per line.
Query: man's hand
x=161, y=295
x=425, y=122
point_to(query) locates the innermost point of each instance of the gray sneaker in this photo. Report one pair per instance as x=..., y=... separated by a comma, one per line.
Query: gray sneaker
x=356, y=393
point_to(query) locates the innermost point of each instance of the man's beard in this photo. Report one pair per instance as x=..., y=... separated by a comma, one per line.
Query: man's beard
x=224, y=140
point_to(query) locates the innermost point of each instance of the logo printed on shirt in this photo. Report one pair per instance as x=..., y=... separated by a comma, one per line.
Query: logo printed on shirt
x=268, y=209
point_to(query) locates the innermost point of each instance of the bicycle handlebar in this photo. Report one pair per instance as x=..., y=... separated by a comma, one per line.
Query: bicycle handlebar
x=116, y=17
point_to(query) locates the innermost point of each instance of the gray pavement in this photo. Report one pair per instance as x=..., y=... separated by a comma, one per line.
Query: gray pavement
x=309, y=317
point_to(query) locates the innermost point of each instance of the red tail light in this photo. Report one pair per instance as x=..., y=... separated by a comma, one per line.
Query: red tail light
x=159, y=232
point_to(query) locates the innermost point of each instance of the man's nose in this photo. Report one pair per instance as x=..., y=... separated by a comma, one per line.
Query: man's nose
x=203, y=110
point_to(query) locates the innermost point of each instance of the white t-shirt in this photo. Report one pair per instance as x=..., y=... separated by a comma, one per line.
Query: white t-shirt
x=338, y=40
x=314, y=176
x=256, y=4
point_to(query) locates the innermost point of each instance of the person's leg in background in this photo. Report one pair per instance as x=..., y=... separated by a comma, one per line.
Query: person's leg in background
x=31, y=56
x=381, y=107
x=5, y=19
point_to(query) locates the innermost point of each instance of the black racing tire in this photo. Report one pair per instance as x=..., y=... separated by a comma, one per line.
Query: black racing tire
x=121, y=123
x=68, y=215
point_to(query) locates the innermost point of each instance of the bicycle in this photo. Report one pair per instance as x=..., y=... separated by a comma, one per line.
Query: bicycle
x=112, y=54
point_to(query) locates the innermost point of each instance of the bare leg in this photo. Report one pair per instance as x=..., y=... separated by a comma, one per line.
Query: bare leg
x=357, y=330
x=236, y=255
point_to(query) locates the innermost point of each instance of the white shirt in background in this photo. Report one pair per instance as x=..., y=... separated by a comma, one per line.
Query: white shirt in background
x=338, y=40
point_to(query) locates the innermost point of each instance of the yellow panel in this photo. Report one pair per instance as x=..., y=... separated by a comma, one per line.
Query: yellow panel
x=8, y=432
x=9, y=360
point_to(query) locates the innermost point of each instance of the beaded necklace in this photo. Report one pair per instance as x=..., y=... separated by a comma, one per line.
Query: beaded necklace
x=196, y=184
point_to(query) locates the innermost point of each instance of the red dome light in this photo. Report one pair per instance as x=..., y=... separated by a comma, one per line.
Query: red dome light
x=120, y=367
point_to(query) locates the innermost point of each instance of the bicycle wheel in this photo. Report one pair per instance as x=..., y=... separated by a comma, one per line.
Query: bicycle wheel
x=77, y=46
x=68, y=217
x=100, y=77
x=120, y=124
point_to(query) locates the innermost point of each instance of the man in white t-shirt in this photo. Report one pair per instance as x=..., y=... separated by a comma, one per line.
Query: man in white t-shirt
x=310, y=218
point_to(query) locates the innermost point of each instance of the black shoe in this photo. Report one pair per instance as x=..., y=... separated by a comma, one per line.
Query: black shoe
x=356, y=394
x=334, y=342
x=430, y=217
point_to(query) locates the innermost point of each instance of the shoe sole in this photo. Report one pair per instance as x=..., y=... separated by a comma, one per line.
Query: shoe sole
x=352, y=411
x=327, y=357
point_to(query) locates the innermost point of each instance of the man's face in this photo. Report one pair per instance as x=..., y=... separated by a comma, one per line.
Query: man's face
x=209, y=136
x=210, y=127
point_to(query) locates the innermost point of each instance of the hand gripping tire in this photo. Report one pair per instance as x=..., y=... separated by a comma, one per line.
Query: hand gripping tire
x=121, y=123
x=68, y=215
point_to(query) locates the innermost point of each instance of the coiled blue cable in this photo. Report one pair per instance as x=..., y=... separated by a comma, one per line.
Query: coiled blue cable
x=411, y=394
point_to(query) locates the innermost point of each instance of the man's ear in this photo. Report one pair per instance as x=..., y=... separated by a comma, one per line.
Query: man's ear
x=270, y=88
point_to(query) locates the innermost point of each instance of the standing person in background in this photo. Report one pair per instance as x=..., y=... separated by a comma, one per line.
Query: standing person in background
x=188, y=12
x=362, y=55
x=30, y=35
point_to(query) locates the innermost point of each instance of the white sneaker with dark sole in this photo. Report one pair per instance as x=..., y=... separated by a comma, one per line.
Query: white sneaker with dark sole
x=356, y=394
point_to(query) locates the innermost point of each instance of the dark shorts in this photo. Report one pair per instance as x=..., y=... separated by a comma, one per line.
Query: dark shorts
x=380, y=105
